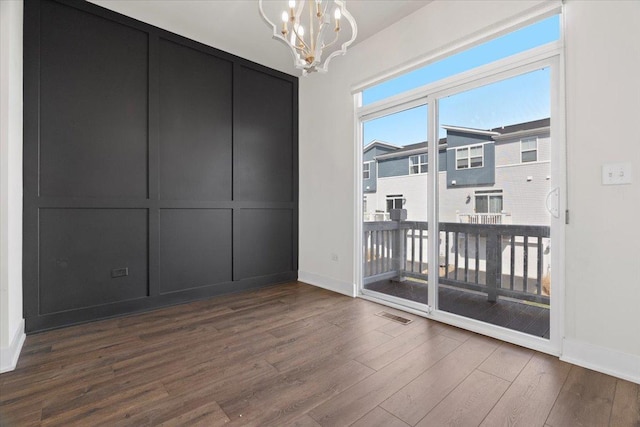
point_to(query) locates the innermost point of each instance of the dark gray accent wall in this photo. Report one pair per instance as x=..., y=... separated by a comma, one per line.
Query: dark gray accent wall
x=79, y=248
x=90, y=148
x=483, y=176
x=157, y=170
x=195, y=124
x=263, y=137
x=194, y=248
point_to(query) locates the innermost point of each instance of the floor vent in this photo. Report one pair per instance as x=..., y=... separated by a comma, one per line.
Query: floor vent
x=395, y=318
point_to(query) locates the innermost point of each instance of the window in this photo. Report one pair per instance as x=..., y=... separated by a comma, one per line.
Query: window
x=366, y=170
x=470, y=157
x=489, y=201
x=537, y=34
x=418, y=164
x=394, y=201
x=529, y=150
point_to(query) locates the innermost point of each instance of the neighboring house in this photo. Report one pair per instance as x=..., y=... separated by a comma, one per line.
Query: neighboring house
x=370, y=177
x=498, y=175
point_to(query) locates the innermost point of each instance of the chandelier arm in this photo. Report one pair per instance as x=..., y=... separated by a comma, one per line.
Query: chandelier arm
x=326, y=6
x=333, y=41
x=300, y=39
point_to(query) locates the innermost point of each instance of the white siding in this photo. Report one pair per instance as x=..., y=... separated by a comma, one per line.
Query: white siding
x=508, y=151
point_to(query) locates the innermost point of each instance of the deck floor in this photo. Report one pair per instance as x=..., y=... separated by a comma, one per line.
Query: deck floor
x=518, y=316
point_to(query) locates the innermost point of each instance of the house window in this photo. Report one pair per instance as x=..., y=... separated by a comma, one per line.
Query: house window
x=394, y=201
x=366, y=170
x=418, y=164
x=489, y=201
x=470, y=157
x=529, y=150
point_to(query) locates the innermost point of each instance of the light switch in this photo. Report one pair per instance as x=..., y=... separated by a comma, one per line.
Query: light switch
x=616, y=173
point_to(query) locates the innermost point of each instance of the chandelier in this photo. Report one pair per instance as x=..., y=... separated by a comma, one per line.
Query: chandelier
x=312, y=29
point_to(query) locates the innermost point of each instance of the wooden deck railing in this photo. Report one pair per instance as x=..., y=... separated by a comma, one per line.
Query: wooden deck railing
x=496, y=259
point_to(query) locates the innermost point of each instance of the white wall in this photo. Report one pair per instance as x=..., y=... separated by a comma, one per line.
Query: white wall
x=603, y=238
x=602, y=312
x=327, y=150
x=11, y=322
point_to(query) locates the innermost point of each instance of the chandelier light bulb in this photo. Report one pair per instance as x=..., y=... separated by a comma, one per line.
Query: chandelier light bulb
x=337, y=14
x=292, y=3
x=285, y=17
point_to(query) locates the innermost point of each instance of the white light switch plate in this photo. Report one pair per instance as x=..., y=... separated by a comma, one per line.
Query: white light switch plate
x=616, y=173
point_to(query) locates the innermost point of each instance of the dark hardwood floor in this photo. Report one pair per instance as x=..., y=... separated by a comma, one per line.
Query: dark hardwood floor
x=297, y=355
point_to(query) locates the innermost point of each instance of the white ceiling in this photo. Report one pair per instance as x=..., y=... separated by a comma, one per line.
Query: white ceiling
x=235, y=26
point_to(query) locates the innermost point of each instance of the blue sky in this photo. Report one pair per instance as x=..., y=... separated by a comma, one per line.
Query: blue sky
x=515, y=100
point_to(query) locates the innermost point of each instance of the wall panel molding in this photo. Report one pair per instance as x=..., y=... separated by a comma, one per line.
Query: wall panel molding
x=158, y=170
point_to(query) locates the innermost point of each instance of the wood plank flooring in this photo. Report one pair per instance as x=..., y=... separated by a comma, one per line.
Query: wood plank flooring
x=296, y=355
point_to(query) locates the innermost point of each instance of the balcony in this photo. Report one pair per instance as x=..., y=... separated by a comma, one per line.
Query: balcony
x=376, y=216
x=496, y=273
x=483, y=218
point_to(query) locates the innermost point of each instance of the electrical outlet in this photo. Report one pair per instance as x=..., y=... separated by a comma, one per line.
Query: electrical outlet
x=334, y=257
x=616, y=173
x=119, y=272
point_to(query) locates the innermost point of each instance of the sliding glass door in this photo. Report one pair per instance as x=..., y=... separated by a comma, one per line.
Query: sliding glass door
x=462, y=229
x=394, y=205
x=496, y=200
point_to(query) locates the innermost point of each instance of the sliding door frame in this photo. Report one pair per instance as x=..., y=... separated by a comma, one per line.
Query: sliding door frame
x=547, y=56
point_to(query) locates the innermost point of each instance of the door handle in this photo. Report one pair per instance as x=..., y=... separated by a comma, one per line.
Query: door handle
x=552, y=201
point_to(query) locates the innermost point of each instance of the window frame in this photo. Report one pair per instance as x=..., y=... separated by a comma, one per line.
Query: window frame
x=550, y=55
x=530, y=150
x=394, y=198
x=367, y=170
x=469, y=156
x=488, y=195
x=422, y=167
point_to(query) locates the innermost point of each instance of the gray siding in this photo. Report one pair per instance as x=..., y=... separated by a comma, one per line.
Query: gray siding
x=370, y=185
x=485, y=175
x=371, y=153
x=400, y=165
x=393, y=167
x=442, y=161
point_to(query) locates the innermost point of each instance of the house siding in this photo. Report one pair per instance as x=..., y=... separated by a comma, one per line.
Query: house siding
x=473, y=176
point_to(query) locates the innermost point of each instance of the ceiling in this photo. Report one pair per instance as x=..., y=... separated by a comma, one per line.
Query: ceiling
x=235, y=26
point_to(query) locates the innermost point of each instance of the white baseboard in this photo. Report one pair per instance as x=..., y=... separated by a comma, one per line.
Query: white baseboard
x=334, y=285
x=601, y=359
x=9, y=355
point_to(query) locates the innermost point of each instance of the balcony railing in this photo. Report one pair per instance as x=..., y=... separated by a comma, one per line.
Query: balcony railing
x=376, y=216
x=495, y=259
x=483, y=218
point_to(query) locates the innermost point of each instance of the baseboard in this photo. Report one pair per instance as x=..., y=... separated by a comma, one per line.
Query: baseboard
x=601, y=359
x=9, y=355
x=334, y=285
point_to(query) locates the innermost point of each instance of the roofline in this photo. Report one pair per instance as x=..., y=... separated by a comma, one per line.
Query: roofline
x=523, y=133
x=380, y=143
x=471, y=130
x=422, y=150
